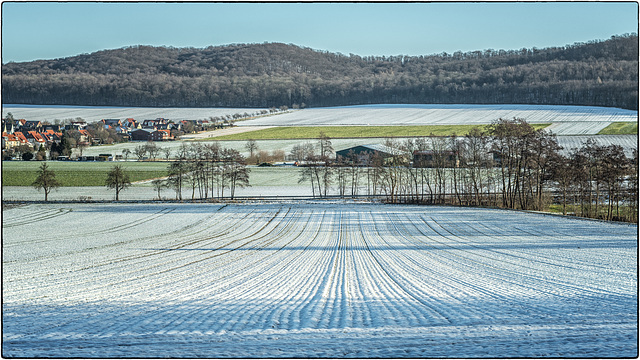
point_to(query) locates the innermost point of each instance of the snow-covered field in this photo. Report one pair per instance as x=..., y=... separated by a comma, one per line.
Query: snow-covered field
x=97, y=113
x=447, y=115
x=314, y=280
x=628, y=142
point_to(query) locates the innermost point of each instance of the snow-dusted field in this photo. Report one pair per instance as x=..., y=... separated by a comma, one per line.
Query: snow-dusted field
x=628, y=142
x=314, y=280
x=580, y=116
x=97, y=113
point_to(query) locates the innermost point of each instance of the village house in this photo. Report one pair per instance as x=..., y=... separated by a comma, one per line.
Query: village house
x=36, y=139
x=76, y=125
x=111, y=123
x=9, y=141
x=54, y=127
x=154, y=124
x=161, y=135
x=21, y=137
x=31, y=126
x=52, y=136
x=130, y=124
x=85, y=137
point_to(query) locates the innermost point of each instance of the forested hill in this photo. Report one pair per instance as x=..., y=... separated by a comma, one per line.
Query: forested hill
x=600, y=73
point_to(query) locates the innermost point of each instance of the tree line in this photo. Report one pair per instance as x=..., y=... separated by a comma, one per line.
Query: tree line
x=597, y=73
x=511, y=165
x=207, y=170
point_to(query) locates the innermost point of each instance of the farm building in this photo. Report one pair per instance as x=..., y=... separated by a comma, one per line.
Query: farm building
x=362, y=154
x=150, y=134
x=141, y=134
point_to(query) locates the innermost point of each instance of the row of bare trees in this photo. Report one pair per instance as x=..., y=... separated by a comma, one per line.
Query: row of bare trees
x=206, y=170
x=598, y=181
x=510, y=165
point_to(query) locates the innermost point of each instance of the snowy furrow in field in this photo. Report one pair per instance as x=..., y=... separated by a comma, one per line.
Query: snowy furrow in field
x=548, y=280
x=25, y=218
x=430, y=300
x=225, y=252
x=317, y=280
x=452, y=269
x=135, y=265
x=552, y=245
x=518, y=271
x=72, y=248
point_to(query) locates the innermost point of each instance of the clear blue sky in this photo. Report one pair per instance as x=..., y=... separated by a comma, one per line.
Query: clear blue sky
x=36, y=30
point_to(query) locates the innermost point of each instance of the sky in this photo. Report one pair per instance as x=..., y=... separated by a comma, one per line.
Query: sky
x=49, y=30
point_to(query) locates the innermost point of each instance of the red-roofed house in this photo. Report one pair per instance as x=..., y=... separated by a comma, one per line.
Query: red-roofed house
x=36, y=138
x=84, y=136
x=52, y=136
x=20, y=136
x=9, y=141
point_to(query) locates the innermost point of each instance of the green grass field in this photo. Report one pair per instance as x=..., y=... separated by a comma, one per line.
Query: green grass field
x=620, y=128
x=74, y=173
x=336, y=132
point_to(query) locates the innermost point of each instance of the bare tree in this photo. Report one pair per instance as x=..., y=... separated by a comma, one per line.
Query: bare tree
x=125, y=153
x=562, y=172
x=167, y=153
x=152, y=149
x=117, y=179
x=46, y=180
x=300, y=152
x=251, y=146
x=236, y=171
x=325, y=157
x=140, y=151
x=158, y=185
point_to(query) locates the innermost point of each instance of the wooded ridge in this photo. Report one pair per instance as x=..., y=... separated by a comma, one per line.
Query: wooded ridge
x=597, y=73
